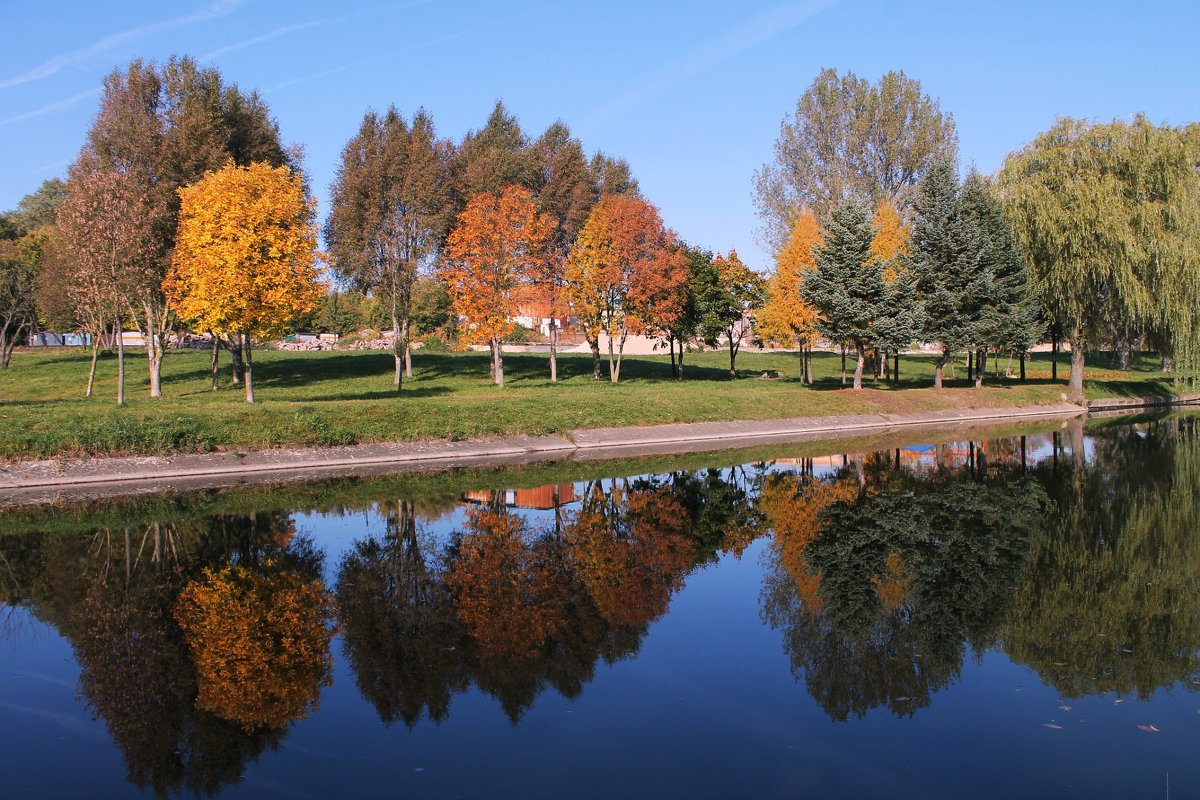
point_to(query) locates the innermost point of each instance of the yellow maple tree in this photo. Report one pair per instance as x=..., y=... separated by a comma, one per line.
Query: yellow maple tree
x=785, y=320
x=245, y=259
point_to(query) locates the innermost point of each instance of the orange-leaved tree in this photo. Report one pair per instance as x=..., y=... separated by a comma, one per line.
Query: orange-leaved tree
x=245, y=254
x=260, y=643
x=498, y=242
x=619, y=258
x=785, y=319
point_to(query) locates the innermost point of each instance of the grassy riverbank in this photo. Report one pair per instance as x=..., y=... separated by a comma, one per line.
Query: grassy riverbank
x=328, y=398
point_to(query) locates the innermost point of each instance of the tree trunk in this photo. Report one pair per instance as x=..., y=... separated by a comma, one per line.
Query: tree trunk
x=406, y=327
x=732, y=358
x=594, y=344
x=858, y=369
x=1075, y=384
x=1125, y=352
x=249, y=374
x=671, y=347
x=1054, y=353
x=887, y=365
x=154, y=351
x=92, y=367
x=616, y=374
x=397, y=351
x=1167, y=363
x=980, y=364
x=682, y=348
x=896, y=368
x=213, y=362
x=1022, y=365
x=940, y=368
x=553, y=350
x=843, y=365
x=498, y=361
x=970, y=365
x=120, y=362
x=808, y=370
x=234, y=345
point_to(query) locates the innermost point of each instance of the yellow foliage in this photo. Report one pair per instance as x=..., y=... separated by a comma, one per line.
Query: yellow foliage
x=892, y=239
x=245, y=254
x=260, y=643
x=792, y=513
x=785, y=319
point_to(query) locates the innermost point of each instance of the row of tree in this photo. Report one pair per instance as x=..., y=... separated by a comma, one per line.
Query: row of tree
x=1090, y=231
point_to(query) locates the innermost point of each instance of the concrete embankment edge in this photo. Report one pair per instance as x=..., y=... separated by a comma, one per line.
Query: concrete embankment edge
x=40, y=481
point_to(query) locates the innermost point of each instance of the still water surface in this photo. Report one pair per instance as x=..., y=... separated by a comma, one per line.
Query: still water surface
x=998, y=618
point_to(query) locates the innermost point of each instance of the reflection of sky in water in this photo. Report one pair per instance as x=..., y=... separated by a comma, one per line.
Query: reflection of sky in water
x=708, y=706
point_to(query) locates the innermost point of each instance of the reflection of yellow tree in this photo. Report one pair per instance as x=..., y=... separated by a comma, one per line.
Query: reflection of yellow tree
x=793, y=515
x=505, y=586
x=260, y=642
x=632, y=559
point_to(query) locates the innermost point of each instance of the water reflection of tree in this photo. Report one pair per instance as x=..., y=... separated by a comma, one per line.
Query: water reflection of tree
x=1111, y=601
x=880, y=580
x=517, y=610
x=112, y=594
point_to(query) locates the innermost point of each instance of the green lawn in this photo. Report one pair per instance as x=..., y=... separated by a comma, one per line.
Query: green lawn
x=324, y=398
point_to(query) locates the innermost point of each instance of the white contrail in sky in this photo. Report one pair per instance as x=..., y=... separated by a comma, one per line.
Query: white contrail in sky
x=63, y=60
x=266, y=37
x=755, y=31
x=55, y=106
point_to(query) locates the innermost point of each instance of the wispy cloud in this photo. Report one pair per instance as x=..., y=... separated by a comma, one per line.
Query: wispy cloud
x=51, y=107
x=51, y=167
x=750, y=34
x=64, y=60
x=266, y=37
x=323, y=73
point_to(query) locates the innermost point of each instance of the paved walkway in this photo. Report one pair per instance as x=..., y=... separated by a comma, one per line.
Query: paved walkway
x=42, y=481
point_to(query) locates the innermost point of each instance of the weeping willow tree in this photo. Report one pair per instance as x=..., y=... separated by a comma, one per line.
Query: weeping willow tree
x=1108, y=216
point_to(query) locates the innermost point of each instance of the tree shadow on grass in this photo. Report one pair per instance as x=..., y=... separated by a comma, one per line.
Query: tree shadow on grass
x=386, y=394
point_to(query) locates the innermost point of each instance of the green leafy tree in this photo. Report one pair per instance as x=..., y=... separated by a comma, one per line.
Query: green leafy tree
x=847, y=139
x=1108, y=217
x=727, y=302
x=390, y=211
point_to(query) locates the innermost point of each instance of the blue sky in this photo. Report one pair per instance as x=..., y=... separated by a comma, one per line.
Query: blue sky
x=690, y=93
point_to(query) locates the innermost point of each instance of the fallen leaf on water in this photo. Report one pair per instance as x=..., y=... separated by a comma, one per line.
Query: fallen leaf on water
x=1118, y=701
x=1147, y=728
x=1052, y=726
x=902, y=699
x=1064, y=708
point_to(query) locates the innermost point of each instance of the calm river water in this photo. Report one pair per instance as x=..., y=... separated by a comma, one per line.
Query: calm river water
x=997, y=618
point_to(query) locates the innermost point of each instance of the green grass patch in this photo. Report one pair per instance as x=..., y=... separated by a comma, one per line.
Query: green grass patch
x=338, y=398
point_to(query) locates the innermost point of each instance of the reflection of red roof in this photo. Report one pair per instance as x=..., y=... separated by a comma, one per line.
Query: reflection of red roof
x=540, y=498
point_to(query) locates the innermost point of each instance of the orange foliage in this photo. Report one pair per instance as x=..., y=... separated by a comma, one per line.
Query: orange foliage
x=792, y=513
x=892, y=239
x=498, y=244
x=785, y=319
x=622, y=266
x=631, y=570
x=506, y=590
x=260, y=643
x=893, y=587
x=245, y=254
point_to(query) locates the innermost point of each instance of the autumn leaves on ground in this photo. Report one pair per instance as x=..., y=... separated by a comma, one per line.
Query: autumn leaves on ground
x=334, y=398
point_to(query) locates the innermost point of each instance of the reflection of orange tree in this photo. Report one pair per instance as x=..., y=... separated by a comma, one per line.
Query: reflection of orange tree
x=505, y=586
x=260, y=641
x=793, y=509
x=633, y=560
